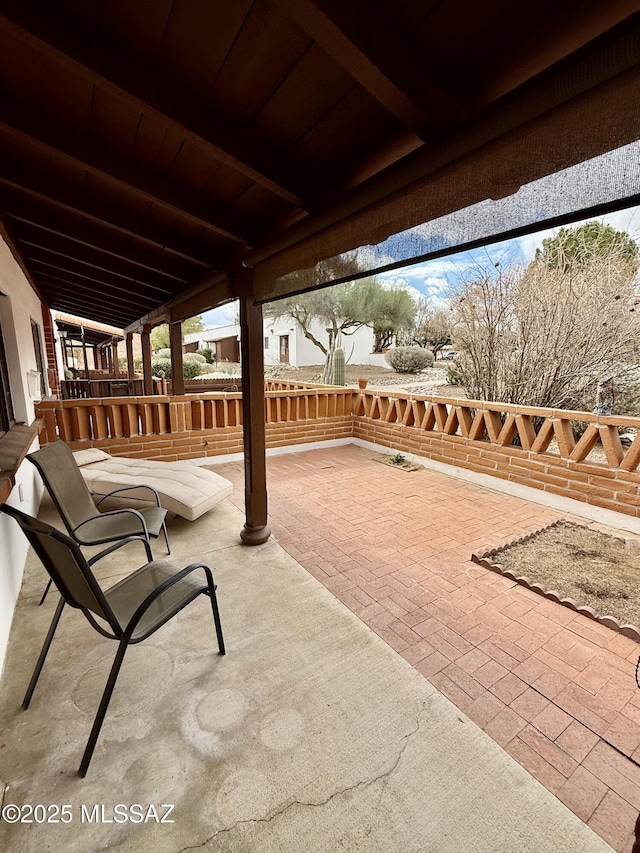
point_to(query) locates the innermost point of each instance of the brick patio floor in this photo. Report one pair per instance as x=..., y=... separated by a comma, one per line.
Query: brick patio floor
x=553, y=688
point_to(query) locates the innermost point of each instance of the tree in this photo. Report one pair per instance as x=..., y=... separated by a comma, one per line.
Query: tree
x=573, y=248
x=548, y=334
x=431, y=327
x=394, y=312
x=342, y=309
x=160, y=338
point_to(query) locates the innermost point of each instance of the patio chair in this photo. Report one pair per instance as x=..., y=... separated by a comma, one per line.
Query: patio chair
x=130, y=611
x=82, y=517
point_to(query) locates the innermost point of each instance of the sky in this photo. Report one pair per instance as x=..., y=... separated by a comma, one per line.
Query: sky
x=436, y=278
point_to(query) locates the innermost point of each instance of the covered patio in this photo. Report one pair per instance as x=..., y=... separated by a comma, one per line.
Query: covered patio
x=312, y=733
x=159, y=160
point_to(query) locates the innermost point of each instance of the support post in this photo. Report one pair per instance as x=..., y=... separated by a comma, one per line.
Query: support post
x=114, y=359
x=131, y=371
x=175, y=342
x=145, y=340
x=255, y=530
x=84, y=354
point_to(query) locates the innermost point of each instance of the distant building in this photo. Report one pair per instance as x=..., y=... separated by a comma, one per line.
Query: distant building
x=285, y=343
x=223, y=341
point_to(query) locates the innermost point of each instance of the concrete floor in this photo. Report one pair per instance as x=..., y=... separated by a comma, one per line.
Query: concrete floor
x=312, y=734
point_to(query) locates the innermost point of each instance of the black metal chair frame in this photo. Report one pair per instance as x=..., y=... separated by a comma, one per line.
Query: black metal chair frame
x=34, y=530
x=75, y=532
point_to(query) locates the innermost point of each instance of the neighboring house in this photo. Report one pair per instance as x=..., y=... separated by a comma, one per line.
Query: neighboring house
x=285, y=342
x=223, y=341
x=23, y=380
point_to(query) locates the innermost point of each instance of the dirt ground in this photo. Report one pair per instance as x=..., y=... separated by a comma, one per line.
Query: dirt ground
x=433, y=379
x=593, y=568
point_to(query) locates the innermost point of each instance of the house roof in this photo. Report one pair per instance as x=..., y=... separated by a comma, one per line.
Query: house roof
x=231, y=330
x=148, y=150
x=76, y=329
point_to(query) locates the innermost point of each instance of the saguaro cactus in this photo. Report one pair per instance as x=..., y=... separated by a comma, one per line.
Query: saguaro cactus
x=338, y=366
x=334, y=368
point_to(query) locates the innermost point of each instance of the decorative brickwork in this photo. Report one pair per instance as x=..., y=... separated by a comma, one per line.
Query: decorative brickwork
x=504, y=441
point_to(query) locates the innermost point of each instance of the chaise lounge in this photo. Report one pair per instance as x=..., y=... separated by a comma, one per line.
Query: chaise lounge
x=184, y=489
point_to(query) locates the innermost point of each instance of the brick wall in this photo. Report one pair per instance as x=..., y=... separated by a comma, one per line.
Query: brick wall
x=528, y=446
x=590, y=483
x=196, y=444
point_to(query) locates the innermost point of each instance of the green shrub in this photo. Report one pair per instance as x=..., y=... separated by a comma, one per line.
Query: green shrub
x=207, y=368
x=122, y=362
x=409, y=359
x=161, y=368
x=191, y=368
x=162, y=353
x=194, y=356
x=137, y=362
x=207, y=353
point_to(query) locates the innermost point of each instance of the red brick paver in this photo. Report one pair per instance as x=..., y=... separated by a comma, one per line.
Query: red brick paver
x=553, y=688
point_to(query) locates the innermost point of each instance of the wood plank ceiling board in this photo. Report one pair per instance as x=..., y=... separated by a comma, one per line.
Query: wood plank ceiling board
x=136, y=27
x=197, y=39
x=115, y=121
x=261, y=205
x=194, y=167
x=332, y=143
x=63, y=96
x=18, y=69
x=226, y=183
x=267, y=48
x=290, y=114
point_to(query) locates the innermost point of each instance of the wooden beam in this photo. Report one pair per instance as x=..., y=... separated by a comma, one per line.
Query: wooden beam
x=65, y=295
x=114, y=359
x=81, y=267
x=255, y=530
x=84, y=277
x=213, y=290
x=68, y=246
x=93, y=57
x=145, y=341
x=131, y=371
x=27, y=126
x=6, y=232
x=177, y=375
x=34, y=197
x=387, y=67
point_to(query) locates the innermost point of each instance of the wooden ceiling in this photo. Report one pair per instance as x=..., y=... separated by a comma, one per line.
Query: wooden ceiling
x=146, y=146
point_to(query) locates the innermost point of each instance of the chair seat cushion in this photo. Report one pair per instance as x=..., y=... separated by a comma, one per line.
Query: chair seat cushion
x=184, y=488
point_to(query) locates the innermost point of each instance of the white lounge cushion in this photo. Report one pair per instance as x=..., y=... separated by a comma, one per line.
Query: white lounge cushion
x=185, y=489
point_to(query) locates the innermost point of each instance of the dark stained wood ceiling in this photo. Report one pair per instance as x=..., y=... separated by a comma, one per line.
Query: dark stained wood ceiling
x=145, y=146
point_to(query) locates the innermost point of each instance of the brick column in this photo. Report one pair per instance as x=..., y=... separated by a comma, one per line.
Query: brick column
x=53, y=376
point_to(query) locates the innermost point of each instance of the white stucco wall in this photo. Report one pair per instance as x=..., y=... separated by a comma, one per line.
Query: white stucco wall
x=18, y=306
x=302, y=352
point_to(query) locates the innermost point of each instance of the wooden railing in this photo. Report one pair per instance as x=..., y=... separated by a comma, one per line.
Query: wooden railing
x=84, y=389
x=505, y=425
x=500, y=425
x=93, y=420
